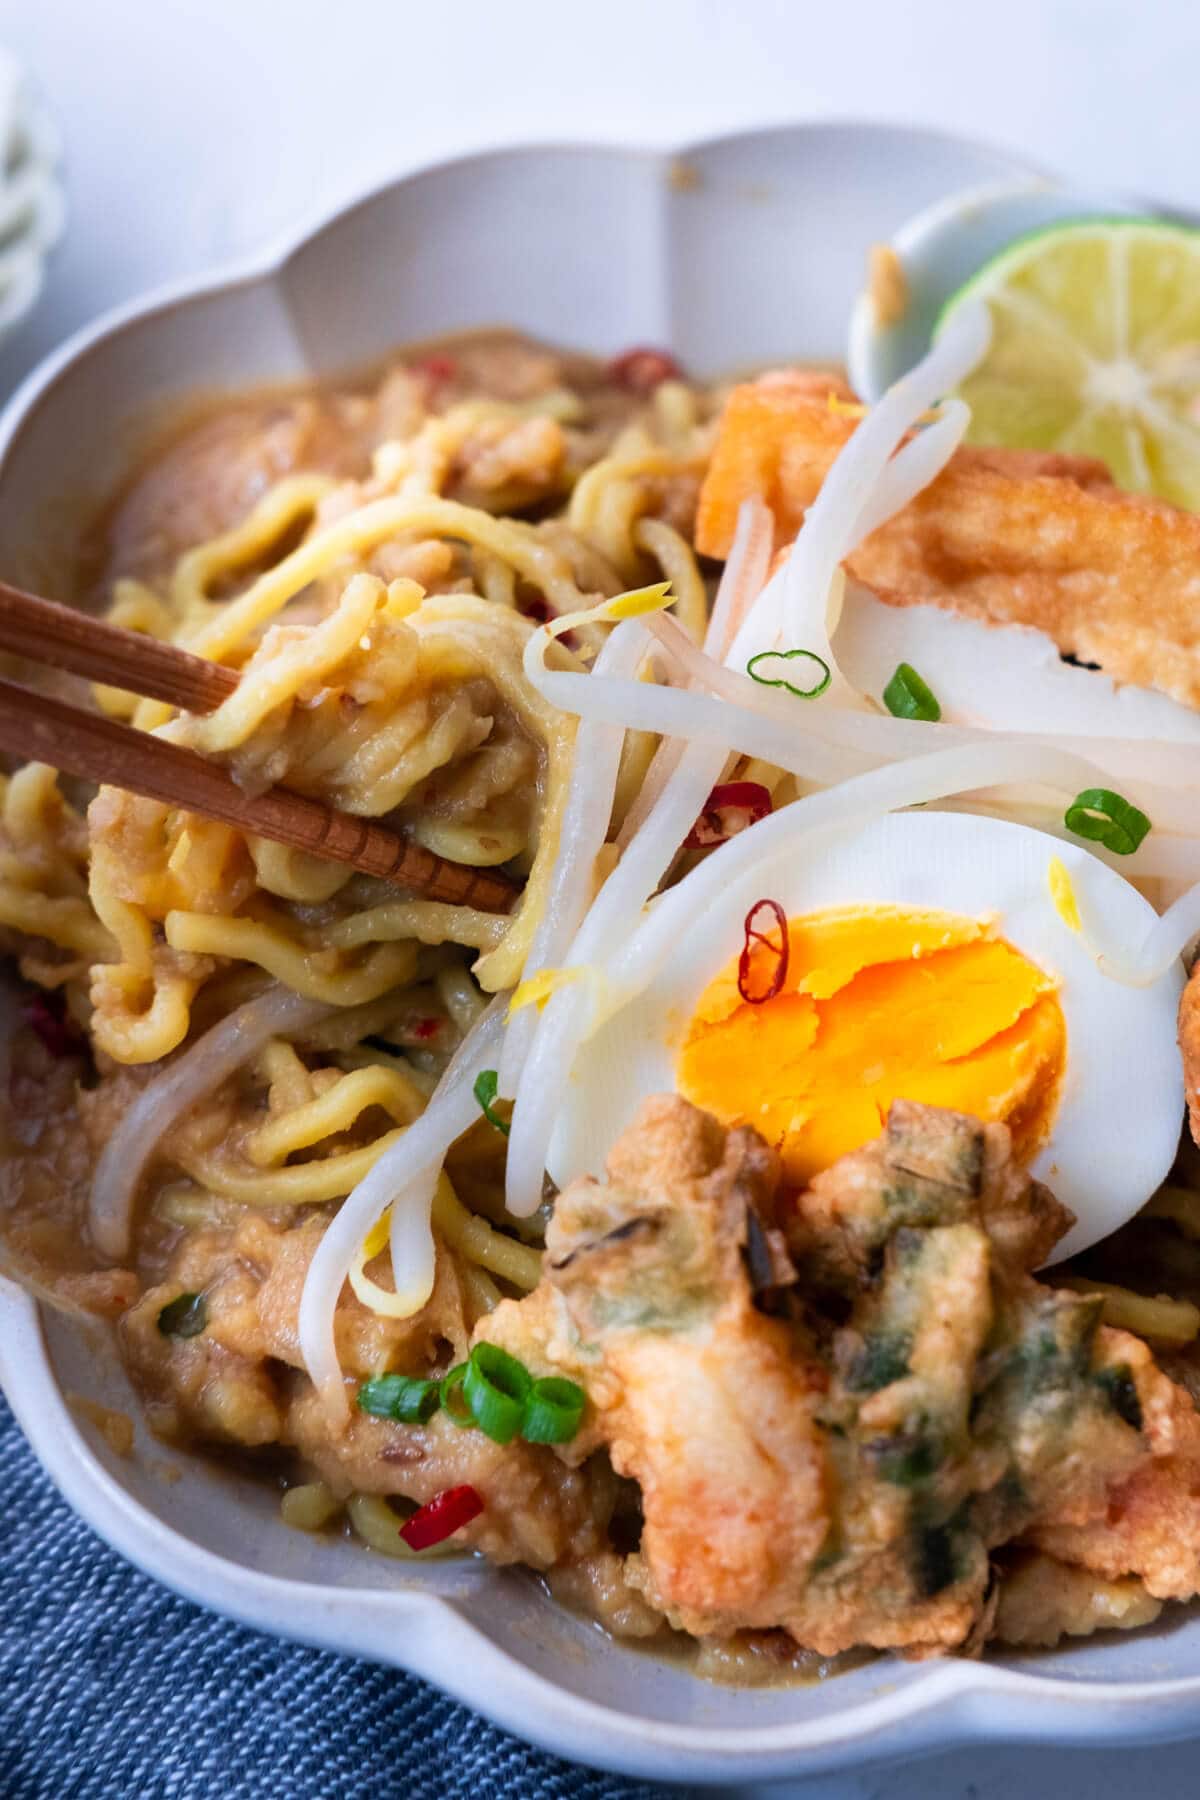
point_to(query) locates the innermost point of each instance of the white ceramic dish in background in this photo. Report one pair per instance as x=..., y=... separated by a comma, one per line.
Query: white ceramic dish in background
x=940, y=249
x=755, y=254
x=31, y=197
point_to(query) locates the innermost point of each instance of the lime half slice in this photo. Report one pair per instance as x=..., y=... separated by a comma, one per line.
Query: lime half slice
x=1096, y=350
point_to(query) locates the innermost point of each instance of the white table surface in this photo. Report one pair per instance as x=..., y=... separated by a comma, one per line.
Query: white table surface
x=196, y=130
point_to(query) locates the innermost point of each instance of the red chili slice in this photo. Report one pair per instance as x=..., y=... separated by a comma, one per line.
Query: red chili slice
x=53, y=1025
x=444, y=1515
x=436, y=369
x=640, y=370
x=756, y=930
x=730, y=807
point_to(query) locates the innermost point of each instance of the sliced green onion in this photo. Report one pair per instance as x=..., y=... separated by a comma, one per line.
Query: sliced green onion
x=553, y=1411
x=906, y=696
x=1105, y=818
x=496, y=1388
x=486, y=1084
x=451, y=1395
x=405, y=1398
x=780, y=681
x=185, y=1317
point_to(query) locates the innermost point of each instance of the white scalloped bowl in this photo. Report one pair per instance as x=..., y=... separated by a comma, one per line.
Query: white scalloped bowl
x=756, y=256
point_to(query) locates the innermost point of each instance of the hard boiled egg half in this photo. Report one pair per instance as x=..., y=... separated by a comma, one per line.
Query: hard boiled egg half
x=932, y=956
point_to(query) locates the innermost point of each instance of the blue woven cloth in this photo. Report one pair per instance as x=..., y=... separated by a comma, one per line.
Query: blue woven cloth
x=110, y=1686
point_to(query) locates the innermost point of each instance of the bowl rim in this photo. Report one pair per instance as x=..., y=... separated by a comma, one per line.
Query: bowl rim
x=272, y=260
x=954, y=1701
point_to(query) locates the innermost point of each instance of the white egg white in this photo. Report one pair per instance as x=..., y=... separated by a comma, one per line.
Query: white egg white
x=1116, y=1128
x=1008, y=677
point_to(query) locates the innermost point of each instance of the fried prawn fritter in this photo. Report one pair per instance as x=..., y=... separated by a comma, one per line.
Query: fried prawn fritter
x=1012, y=537
x=838, y=1405
x=1150, y=1525
x=713, y=1403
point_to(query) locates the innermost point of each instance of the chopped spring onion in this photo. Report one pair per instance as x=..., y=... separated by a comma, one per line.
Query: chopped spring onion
x=451, y=1395
x=185, y=1317
x=496, y=1387
x=756, y=928
x=1105, y=818
x=487, y=1084
x=730, y=808
x=1117, y=1384
x=775, y=657
x=405, y=1398
x=445, y=1515
x=906, y=696
x=553, y=1411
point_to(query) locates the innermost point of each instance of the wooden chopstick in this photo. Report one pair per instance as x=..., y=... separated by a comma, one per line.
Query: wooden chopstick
x=65, y=639
x=38, y=728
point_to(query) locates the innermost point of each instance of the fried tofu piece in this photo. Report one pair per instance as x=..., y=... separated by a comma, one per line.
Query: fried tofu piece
x=1006, y=537
x=1189, y=1044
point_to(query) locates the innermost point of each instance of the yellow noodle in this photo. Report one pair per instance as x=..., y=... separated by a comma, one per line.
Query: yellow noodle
x=373, y=524
x=135, y=607
x=1180, y=1205
x=294, y=875
x=69, y=923
x=312, y=973
x=459, y=995
x=1167, y=1321
x=621, y=469
x=426, y=921
x=288, y=1078
x=309, y=1507
x=333, y=1112
x=302, y=663
x=677, y=560
x=277, y=514
x=494, y=578
x=473, y=1237
x=482, y=1294
x=182, y=1203
x=676, y=413
x=377, y=1525
x=129, y=1036
x=483, y=847
x=299, y=1184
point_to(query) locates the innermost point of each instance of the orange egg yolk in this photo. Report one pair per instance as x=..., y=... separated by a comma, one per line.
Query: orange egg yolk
x=878, y=1004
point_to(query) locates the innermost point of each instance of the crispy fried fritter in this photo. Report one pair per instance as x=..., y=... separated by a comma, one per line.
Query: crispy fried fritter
x=713, y=1406
x=1008, y=537
x=1150, y=1526
x=834, y=1443
x=930, y=1166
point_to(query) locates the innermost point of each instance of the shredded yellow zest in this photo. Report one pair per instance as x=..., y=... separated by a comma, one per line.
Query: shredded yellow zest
x=539, y=988
x=1062, y=893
